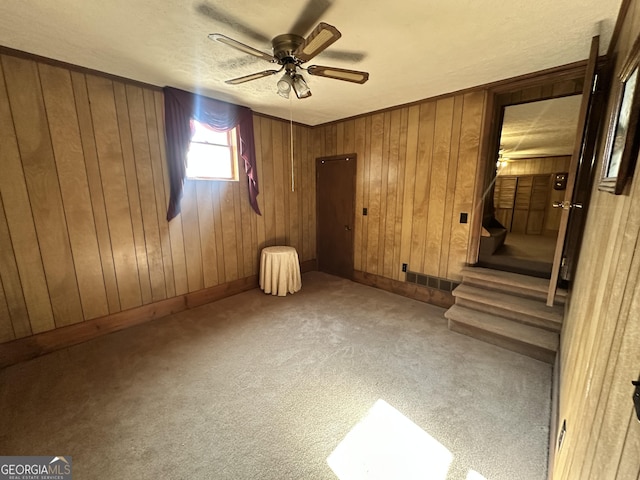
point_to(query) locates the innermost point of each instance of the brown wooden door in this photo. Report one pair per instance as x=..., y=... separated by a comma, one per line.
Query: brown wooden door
x=335, y=199
x=578, y=151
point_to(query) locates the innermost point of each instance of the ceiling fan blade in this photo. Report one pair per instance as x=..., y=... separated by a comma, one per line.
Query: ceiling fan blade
x=218, y=15
x=310, y=15
x=253, y=76
x=320, y=38
x=242, y=47
x=339, y=74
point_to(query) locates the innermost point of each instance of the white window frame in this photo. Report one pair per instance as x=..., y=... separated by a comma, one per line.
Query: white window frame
x=233, y=158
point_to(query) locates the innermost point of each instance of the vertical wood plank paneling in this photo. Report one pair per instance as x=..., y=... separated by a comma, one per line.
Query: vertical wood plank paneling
x=6, y=328
x=384, y=187
x=268, y=187
x=286, y=180
x=422, y=183
x=114, y=186
x=359, y=146
x=207, y=234
x=402, y=159
x=147, y=191
x=228, y=232
x=85, y=122
x=437, y=207
x=305, y=193
x=449, y=217
x=413, y=127
x=472, y=115
x=349, y=137
x=340, y=138
x=34, y=141
x=178, y=255
x=259, y=136
x=162, y=196
x=293, y=197
x=191, y=236
x=249, y=246
x=375, y=179
x=131, y=176
x=17, y=309
x=365, y=192
x=237, y=215
x=20, y=224
x=389, y=268
x=161, y=249
x=217, y=202
x=277, y=182
x=67, y=147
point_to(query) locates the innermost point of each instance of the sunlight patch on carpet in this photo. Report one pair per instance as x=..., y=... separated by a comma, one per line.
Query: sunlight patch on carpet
x=473, y=475
x=386, y=444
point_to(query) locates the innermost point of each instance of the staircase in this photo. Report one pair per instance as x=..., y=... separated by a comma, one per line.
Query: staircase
x=508, y=310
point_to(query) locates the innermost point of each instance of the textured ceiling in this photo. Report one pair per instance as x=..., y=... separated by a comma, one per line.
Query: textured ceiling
x=413, y=49
x=540, y=129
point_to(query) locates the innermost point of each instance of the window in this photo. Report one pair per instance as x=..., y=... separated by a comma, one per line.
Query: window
x=212, y=155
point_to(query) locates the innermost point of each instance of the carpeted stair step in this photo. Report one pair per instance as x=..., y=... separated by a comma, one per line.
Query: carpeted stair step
x=522, y=285
x=523, y=310
x=527, y=340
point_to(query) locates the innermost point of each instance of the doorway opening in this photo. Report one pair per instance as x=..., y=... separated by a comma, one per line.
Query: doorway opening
x=527, y=185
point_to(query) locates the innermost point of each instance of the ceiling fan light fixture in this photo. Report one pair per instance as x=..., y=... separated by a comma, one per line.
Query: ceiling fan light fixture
x=284, y=85
x=300, y=87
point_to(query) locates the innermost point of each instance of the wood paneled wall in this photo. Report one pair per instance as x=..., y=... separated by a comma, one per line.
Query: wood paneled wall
x=416, y=173
x=536, y=166
x=83, y=195
x=600, y=350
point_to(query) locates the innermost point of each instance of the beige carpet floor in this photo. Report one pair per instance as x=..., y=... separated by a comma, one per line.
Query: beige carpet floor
x=339, y=380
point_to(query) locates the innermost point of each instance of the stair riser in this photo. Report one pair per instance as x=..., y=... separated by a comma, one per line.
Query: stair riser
x=527, y=319
x=502, y=287
x=532, y=351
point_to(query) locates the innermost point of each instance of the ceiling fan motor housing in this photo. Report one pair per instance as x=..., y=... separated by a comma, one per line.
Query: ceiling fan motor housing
x=284, y=46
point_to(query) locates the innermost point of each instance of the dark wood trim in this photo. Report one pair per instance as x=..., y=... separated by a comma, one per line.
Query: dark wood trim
x=30, y=347
x=75, y=68
x=622, y=14
x=411, y=290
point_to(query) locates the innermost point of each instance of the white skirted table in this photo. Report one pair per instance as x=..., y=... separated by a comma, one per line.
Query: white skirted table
x=280, y=271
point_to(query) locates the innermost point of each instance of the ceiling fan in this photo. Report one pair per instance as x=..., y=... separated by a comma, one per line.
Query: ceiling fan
x=290, y=51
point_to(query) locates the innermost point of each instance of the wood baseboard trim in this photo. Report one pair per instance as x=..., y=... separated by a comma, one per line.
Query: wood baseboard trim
x=411, y=290
x=27, y=348
x=308, y=266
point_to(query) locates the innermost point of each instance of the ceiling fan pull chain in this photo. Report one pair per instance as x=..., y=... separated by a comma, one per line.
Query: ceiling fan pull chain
x=291, y=140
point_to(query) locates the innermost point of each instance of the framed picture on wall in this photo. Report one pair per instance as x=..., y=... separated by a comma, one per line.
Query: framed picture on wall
x=622, y=138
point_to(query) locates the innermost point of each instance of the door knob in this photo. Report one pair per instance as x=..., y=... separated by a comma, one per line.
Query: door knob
x=347, y=227
x=566, y=205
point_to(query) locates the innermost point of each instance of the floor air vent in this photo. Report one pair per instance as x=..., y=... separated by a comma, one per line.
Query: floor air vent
x=431, y=282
